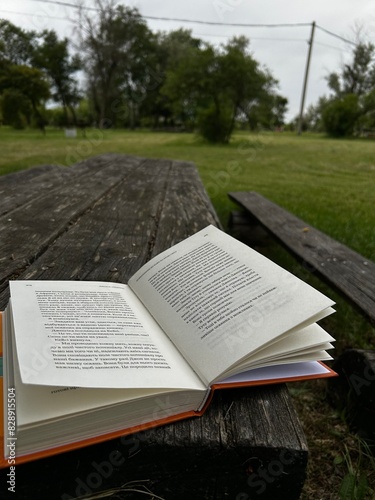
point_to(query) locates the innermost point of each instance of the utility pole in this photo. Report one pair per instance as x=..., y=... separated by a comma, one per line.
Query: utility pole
x=300, y=120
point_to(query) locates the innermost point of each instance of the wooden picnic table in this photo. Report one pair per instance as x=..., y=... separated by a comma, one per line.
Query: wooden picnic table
x=101, y=220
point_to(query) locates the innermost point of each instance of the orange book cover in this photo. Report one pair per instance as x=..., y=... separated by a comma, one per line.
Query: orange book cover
x=5, y=462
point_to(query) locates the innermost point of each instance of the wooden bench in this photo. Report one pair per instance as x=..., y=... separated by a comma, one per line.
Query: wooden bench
x=101, y=220
x=347, y=271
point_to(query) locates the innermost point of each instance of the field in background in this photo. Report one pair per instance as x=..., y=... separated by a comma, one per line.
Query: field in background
x=328, y=183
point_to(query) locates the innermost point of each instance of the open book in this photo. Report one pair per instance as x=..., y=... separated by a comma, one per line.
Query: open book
x=87, y=361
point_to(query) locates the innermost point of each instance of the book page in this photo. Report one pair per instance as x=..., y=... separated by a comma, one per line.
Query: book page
x=91, y=334
x=219, y=300
x=310, y=339
x=284, y=373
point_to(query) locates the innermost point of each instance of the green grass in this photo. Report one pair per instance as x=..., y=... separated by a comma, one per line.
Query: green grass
x=327, y=182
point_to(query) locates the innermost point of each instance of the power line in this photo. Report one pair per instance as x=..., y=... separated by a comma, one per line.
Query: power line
x=74, y=6
x=241, y=25
x=253, y=37
x=336, y=36
x=329, y=46
x=44, y=16
x=194, y=21
x=208, y=23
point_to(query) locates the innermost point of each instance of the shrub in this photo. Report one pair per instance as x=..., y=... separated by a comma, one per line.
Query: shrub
x=341, y=115
x=16, y=109
x=216, y=123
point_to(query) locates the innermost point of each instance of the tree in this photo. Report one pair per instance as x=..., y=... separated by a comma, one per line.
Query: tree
x=312, y=119
x=16, y=44
x=188, y=85
x=29, y=84
x=268, y=112
x=213, y=87
x=350, y=104
x=116, y=46
x=171, y=49
x=367, y=119
x=139, y=77
x=52, y=56
x=358, y=76
x=22, y=88
x=278, y=110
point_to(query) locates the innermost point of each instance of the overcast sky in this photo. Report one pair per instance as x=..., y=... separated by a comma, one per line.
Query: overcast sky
x=283, y=50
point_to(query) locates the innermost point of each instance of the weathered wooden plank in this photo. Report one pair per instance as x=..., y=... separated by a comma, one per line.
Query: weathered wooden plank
x=222, y=444
x=186, y=208
x=111, y=241
x=347, y=270
x=221, y=456
x=28, y=230
x=19, y=188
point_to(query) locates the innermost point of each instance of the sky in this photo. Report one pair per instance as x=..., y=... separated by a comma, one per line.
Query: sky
x=281, y=49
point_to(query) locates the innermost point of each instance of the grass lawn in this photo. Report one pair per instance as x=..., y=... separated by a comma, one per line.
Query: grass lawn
x=328, y=183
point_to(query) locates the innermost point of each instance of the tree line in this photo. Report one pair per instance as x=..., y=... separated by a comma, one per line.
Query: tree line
x=118, y=73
